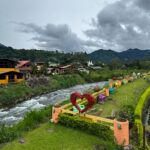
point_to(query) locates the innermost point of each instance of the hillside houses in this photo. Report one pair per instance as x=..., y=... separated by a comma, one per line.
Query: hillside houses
x=12, y=71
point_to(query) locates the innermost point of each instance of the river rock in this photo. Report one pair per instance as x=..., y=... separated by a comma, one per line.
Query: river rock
x=114, y=113
x=22, y=141
x=92, y=110
x=109, y=98
x=96, y=147
x=129, y=147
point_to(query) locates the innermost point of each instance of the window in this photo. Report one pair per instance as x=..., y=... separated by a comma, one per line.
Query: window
x=19, y=76
x=2, y=77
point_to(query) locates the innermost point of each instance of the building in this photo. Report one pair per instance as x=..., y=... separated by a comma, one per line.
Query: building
x=39, y=65
x=89, y=63
x=83, y=70
x=9, y=73
x=55, y=69
x=63, y=69
x=25, y=67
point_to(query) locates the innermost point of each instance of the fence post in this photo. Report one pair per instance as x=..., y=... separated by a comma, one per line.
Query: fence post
x=121, y=132
x=55, y=113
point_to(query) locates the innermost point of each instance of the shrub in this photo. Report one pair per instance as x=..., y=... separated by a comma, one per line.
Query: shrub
x=96, y=88
x=138, y=115
x=94, y=128
x=126, y=112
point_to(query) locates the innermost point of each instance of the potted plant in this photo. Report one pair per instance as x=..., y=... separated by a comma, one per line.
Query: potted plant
x=106, y=86
x=110, y=83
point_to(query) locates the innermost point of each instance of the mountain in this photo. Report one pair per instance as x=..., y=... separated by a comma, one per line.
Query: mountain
x=1, y=45
x=106, y=56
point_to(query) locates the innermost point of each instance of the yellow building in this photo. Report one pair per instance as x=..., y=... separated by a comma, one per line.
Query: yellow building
x=8, y=72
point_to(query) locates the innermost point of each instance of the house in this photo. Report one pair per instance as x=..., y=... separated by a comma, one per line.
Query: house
x=66, y=68
x=83, y=70
x=53, y=64
x=39, y=65
x=55, y=69
x=25, y=67
x=8, y=72
x=96, y=67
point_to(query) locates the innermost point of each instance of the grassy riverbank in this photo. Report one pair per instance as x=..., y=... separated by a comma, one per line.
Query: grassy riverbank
x=126, y=95
x=56, y=137
x=14, y=93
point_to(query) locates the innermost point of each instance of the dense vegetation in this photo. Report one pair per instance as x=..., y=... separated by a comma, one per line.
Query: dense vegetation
x=141, y=108
x=88, y=126
x=43, y=56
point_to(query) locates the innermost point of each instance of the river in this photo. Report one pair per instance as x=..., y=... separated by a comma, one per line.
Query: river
x=13, y=115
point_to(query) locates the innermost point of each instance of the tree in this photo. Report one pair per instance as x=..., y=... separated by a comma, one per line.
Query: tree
x=116, y=63
x=43, y=70
x=34, y=70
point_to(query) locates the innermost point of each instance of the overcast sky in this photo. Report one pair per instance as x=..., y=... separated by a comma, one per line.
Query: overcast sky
x=75, y=25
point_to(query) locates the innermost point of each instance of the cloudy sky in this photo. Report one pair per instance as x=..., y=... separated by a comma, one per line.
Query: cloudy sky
x=75, y=25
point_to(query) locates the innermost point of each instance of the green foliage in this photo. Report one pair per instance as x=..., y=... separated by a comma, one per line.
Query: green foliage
x=94, y=128
x=34, y=70
x=43, y=56
x=126, y=112
x=31, y=120
x=43, y=70
x=140, y=106
x=138, y=114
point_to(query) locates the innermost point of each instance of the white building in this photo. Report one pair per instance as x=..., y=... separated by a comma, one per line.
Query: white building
x=89, y=63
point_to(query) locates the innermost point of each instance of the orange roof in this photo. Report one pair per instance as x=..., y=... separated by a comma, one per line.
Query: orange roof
x=21, y=63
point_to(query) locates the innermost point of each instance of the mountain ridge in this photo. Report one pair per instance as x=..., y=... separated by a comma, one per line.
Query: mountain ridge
x=128, y=55
x=2, y=45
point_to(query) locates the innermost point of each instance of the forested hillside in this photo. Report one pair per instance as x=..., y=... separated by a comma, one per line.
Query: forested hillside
x=41, y=55
x=107, y=56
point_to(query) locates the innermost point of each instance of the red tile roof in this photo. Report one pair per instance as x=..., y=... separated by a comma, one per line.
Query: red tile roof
x=21, y=63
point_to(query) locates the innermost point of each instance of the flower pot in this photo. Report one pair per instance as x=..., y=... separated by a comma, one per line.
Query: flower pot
x=110, y=84
x=107, y=91
x=121, y=132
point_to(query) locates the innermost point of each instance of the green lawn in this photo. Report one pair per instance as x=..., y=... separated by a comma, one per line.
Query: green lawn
x=56, y=137
x=126, y=94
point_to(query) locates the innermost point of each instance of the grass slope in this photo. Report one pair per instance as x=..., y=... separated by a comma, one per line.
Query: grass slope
x=58, y=138
x=125, y=95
